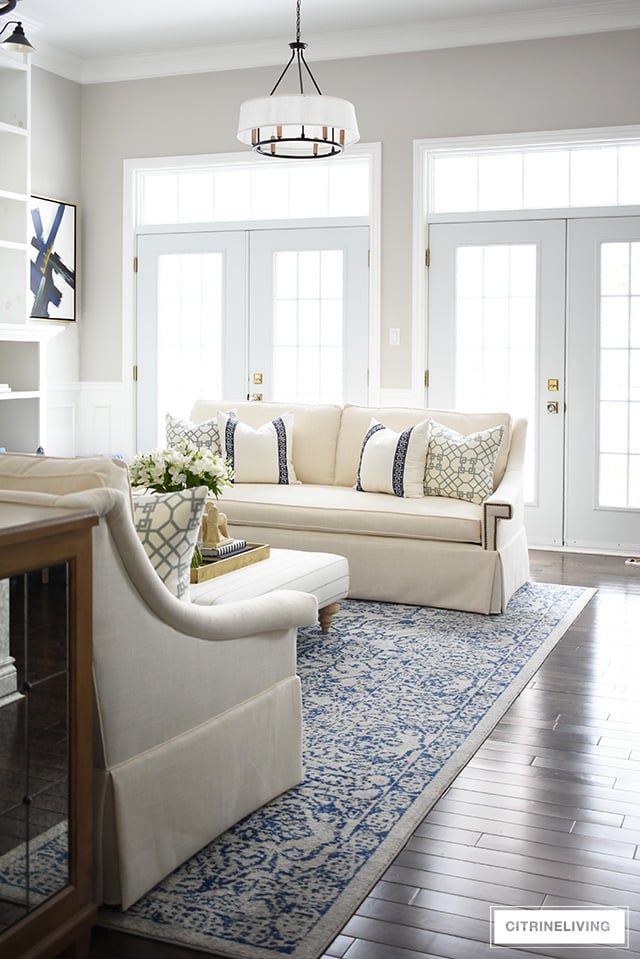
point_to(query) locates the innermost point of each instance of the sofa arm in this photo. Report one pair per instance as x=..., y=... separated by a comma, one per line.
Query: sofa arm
x=506, y=503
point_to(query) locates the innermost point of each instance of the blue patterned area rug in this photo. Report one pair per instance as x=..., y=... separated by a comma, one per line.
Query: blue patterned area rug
x=396, y=701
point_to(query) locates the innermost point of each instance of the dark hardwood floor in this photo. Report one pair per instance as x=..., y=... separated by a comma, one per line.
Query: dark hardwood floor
x=547, y=813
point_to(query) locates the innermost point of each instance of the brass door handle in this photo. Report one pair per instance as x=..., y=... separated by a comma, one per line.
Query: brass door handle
x=552, y=407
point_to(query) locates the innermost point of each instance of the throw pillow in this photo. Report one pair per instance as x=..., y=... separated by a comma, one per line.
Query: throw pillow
x=258, y=456
x=459, y=466
x=200, y=434
x=393, y=462
x=168, y=525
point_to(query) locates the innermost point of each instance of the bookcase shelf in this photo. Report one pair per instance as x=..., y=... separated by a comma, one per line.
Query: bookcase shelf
x=22, y=366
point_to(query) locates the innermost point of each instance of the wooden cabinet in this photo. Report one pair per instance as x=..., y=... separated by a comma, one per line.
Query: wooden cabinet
x=46, y=873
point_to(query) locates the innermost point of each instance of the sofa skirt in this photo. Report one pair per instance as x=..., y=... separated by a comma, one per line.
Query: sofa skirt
x=446, y=575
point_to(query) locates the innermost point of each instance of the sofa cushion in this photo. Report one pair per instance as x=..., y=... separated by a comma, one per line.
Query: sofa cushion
x=315, y=431
x=355, y=422
x=200, y=434
x=461, y=466
x=344, y=510
x=60, y=475
x=393, y=462
x=168, y=525
x=260, y=455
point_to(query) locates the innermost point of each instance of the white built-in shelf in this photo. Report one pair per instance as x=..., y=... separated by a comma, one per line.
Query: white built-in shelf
x=22, y=342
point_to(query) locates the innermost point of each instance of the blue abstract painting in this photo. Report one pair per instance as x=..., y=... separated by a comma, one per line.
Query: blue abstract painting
x=53, y=264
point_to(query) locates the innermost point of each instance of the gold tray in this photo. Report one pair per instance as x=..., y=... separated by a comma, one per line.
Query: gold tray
x=227, y=564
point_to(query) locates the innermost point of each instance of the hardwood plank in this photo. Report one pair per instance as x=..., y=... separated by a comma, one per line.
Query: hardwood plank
x=618, y=873
x=498, y=817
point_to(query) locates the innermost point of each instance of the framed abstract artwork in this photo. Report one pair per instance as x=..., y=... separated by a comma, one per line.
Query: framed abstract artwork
x=53, y=259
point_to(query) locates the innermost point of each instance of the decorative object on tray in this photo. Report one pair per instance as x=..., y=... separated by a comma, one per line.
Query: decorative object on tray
x=251, y=553
x=215, y=533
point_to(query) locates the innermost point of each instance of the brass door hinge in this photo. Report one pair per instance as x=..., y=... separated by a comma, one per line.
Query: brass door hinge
x=427, y=257
x=426, y=377
x=135, y=264
x=369, y=258
x=135, y=372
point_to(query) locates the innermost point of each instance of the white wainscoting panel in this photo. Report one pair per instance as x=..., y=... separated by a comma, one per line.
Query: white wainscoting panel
x=61, y=420
x=104, y=420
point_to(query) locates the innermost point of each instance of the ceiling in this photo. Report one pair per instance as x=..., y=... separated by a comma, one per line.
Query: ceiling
x=103, y=40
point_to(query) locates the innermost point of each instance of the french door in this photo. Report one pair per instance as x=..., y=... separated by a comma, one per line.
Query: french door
x=267, y=314
x=506, y=300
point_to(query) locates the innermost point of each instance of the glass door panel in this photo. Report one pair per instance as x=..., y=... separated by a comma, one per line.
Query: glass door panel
x=309, y=314
x=603, y=380
x=191, y=334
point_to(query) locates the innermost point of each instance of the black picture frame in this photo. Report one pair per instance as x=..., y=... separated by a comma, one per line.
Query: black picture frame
x=52, y=270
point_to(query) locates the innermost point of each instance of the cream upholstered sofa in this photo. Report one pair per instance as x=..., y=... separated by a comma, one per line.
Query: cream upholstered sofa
x=197, y=709
x=427, y=550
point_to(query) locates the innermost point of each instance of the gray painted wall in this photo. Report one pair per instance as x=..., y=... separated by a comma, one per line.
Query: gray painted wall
x=585, y=81
x=55, y=173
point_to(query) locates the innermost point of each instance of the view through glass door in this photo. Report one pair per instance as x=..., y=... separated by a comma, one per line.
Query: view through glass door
x=273, y=314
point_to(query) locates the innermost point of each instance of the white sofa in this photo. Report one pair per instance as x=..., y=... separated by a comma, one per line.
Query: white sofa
x=431, y=550
x=198, y=716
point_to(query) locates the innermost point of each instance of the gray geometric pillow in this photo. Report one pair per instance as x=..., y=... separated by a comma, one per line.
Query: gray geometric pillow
x=168, y=525
x=459, y=466
x=200, y=434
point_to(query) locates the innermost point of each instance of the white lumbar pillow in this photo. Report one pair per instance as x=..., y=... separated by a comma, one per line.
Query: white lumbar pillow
x=258, y=456
x=393, y=462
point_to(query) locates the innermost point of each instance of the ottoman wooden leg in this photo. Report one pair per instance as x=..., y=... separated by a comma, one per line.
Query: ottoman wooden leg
x=326, y=616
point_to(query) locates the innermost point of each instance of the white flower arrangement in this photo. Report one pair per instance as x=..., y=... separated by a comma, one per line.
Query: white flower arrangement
x=182, y=467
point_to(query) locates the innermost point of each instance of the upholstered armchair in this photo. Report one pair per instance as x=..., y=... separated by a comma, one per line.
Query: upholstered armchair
x=197, y=709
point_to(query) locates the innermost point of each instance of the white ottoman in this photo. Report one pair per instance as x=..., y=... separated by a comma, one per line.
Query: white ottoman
x=325, y=575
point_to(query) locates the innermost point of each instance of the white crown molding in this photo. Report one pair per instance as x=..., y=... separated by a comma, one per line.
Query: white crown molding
x=590, y=17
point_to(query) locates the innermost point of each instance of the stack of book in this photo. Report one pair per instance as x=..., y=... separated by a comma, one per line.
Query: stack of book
x=211, y=553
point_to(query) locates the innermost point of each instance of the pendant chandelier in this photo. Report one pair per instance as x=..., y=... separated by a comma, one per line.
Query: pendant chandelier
x=299, y=125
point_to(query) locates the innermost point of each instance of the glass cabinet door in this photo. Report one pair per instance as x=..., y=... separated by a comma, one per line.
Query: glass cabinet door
x=34, y=739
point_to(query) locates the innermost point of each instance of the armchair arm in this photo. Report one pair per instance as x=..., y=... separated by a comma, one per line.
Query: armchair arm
x=282, y=609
